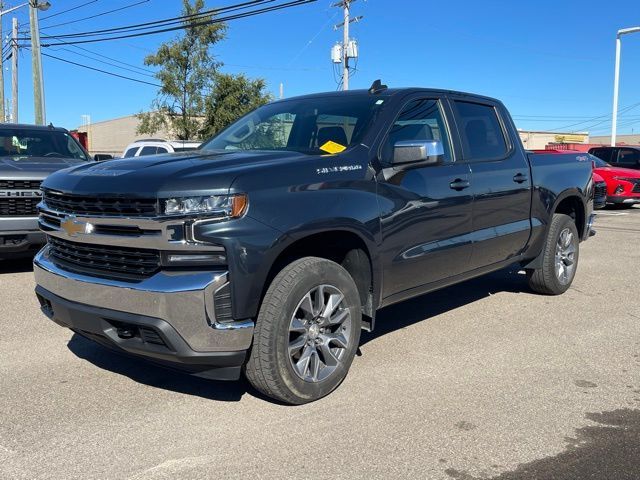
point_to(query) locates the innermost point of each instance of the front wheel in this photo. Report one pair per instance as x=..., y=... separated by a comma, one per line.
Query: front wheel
x=559, y=258
x=307, y=332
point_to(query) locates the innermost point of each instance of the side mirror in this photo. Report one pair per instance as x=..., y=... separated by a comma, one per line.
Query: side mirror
x=100, y=157
x=425, y=152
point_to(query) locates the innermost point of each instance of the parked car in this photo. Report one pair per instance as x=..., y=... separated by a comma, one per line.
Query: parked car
x=269, y=248
x=624, y=157
x=623, y=184
x=599, y=192
x=153, y=146
x=28, y=153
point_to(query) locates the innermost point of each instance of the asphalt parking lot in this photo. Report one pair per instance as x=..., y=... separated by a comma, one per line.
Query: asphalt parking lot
x=481, y=380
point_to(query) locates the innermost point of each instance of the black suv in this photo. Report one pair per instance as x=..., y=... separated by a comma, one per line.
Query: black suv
x=625, y=157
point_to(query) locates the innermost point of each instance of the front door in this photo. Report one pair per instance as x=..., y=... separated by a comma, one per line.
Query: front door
x=425, y=211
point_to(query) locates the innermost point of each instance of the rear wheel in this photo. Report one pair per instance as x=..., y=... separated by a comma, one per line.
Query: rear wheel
x=560, y=258
x=307, y=332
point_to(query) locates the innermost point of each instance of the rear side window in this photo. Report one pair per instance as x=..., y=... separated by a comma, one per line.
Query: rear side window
x=131, y=152
x=162, y=150
x=628, y=157
x=482, y=133
x=148, y=151
x=602, y=153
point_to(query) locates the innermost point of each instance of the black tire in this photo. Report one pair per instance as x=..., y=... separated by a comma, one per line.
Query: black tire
x=270, y=368
x=547, y=279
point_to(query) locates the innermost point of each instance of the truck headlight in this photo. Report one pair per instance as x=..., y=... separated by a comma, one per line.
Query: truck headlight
x=217, y=206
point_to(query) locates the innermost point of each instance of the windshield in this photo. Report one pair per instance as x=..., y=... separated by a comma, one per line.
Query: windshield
x=315, y=125
x=598, y=162
x=18, y=142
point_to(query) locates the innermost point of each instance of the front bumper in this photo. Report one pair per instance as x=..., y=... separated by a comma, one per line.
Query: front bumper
x=19, y=236
x=623, y=200
x=169, y=317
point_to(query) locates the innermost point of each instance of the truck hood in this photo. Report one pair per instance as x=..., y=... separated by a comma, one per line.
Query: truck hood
x=34, y=168
x=184, y=173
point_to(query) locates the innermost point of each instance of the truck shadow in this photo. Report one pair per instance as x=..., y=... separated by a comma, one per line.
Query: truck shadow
x=404, y=314
x=156, y=376
x=21, y=265
x=389, y=319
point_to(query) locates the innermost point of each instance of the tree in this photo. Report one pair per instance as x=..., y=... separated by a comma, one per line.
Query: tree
x=232, y=97
x=186, y=74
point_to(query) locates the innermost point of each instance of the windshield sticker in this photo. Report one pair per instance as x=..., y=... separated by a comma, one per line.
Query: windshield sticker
x=341, y=168
x=332, y=147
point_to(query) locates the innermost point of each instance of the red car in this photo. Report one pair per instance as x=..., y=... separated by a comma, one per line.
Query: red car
x=599, y=191
x=623, y=184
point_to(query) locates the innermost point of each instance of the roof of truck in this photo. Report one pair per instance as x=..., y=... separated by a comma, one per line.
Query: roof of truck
x=29, y=126
x=388, y=92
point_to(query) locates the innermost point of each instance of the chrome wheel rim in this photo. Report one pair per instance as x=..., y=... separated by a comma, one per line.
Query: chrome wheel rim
x=565, y=256
x=319, y=333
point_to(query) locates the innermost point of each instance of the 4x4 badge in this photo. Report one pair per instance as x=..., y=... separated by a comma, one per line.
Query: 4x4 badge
x=73, y=226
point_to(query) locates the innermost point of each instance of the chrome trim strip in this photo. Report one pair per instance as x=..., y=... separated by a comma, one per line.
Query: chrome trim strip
x=156, y=235
x=183, y=299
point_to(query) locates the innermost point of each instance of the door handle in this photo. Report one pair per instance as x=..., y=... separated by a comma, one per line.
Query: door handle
x=459, y=184
x=520, y=178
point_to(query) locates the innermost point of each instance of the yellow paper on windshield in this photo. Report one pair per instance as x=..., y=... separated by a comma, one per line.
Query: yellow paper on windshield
x=332, y=147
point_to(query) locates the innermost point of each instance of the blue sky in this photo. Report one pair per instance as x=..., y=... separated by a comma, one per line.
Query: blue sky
x=551, y=62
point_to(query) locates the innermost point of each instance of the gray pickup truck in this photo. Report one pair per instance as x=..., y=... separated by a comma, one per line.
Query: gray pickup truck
x=28, y=154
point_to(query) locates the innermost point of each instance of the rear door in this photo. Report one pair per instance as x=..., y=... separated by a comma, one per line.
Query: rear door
x=425, y=210
x=500, y=181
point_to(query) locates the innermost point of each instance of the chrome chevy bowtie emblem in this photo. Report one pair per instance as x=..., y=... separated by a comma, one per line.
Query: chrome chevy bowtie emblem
x=73, y=226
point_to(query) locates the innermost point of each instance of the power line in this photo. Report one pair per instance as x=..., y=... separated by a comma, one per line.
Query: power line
x=289, y=4
x=169, y=21
x=112, y=64
x=68, y=10
x=101, y=71
x=94, y=16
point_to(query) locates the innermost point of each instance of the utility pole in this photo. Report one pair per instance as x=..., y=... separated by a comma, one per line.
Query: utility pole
x=345, y=43
x=36, y=63
x=348, y=49
x=14, y=70
x=2, y=111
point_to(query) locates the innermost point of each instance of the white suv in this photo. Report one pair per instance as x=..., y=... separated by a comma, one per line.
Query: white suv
x=152, y=146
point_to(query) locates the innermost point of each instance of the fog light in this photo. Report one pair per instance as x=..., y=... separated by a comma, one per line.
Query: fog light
x=619, y=189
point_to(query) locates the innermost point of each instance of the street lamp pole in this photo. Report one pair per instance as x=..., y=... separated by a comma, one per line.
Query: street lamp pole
x=616, y=81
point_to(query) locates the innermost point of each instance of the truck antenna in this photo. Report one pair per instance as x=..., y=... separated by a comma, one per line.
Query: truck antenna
x=377, y=87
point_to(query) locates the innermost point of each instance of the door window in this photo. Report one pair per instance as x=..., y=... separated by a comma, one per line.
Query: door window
x=602, y=153
x=628, y=156
x=482, y=134
x=419, y=120
x=131, y=152
x=162, y=150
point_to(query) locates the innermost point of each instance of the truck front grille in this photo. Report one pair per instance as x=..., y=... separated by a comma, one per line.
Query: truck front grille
x=98, y=260
x=20, y=184
x=100, y=206
x=600, y=195
x=18, y=198
x=19, y=206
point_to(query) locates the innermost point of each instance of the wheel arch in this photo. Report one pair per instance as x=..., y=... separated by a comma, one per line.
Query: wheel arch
x=571, y=203
x=347, y=247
